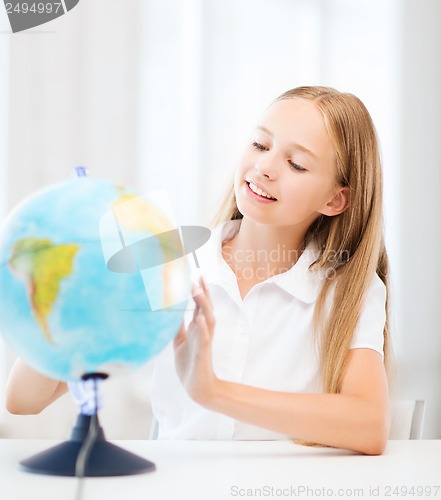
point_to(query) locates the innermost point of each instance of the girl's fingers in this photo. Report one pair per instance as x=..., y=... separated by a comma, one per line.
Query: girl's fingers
x=195, y=312
x=196, y=289
x=201, y=288
x=206, y=308
x=180, y=336
x=203, y=327
x=206, y=290
x=204, y=305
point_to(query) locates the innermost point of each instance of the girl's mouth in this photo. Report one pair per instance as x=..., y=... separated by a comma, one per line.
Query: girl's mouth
x=253, y=192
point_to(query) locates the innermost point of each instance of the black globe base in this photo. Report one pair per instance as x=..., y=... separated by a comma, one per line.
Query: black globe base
x=105, y=459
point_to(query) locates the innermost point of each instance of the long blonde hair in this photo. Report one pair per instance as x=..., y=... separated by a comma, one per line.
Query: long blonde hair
x=352, y=243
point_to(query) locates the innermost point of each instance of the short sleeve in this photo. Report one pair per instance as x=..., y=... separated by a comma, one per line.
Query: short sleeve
x=370, y=328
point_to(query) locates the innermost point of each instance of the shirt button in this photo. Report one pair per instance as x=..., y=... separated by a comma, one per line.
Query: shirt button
x=243, y=330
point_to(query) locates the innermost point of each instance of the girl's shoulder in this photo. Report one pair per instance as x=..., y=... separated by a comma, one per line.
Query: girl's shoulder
x=369, y=332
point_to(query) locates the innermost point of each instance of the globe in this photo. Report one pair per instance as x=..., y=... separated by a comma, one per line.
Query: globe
x=63, y=307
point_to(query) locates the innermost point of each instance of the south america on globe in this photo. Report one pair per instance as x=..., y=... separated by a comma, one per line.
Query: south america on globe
x=61, y=308
x=42, y=266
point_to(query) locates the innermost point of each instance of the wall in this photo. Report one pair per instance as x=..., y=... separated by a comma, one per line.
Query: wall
x=164, y=94
x=242, y=55
x=419, y=184
x=4, y=105
x=73, y=100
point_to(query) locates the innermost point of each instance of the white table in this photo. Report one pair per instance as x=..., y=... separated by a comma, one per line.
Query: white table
x=192, y=470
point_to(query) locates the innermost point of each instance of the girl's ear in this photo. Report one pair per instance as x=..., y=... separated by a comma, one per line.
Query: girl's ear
x=339, y=202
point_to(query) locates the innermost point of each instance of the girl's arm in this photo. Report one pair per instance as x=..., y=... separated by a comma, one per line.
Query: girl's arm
x=357, y=418
x=28, y=392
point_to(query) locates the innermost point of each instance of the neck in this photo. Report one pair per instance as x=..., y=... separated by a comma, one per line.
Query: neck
x=259, y=251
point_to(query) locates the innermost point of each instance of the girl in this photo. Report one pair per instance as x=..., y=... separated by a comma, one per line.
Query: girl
x=290, y=339
x=289, y=333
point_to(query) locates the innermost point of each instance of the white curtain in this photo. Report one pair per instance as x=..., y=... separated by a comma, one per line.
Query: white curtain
x=210, y=68
x=4, y=111
x=420, y=207
x=73, y=100
x=74, y=96
x=4, y=91
x=164, y=94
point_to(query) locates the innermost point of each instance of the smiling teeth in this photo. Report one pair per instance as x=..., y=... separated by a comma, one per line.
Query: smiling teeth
x=258, y=191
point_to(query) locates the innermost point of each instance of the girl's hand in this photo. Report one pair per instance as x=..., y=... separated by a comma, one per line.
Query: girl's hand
x=193, y=354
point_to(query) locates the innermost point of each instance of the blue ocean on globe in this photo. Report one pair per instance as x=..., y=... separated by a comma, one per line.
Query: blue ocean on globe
x=61, y=308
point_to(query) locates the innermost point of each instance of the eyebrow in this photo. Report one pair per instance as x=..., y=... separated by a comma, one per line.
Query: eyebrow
x=298, y=146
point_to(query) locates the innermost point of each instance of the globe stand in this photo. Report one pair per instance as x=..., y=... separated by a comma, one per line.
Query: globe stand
x=101, y=459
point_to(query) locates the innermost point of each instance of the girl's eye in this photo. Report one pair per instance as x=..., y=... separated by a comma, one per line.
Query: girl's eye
x=294, y=166
x=260, y=147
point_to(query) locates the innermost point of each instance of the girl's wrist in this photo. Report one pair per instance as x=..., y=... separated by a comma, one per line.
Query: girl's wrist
x=217, y=395
x=209, y=395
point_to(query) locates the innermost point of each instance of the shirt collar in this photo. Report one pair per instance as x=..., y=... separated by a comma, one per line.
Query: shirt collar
x=299, y=281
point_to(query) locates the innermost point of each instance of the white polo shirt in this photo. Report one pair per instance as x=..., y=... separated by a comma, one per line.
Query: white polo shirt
x=265, y=340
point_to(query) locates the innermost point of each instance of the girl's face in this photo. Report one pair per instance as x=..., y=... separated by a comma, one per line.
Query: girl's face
x=290, y=157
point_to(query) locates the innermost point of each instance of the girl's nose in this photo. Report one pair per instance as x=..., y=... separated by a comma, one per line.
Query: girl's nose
x=266, y=167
